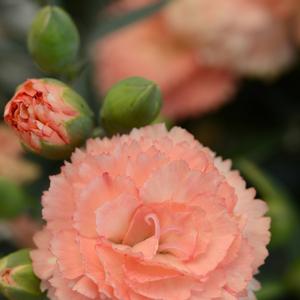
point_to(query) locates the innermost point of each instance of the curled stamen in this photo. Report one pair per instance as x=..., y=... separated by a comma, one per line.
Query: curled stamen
x=152, y=217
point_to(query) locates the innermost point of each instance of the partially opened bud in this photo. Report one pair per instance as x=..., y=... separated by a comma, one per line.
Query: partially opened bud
x=131, y=103
x=53, y=40
x=17, y=280
x=49, y=117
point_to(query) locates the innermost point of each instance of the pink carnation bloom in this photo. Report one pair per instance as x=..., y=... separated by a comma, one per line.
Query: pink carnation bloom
x=150, y=51
x=37, y=113
x=12, y=165
x=150, y=215
x=245, y=35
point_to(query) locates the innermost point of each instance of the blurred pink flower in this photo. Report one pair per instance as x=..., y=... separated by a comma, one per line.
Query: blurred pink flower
x=147, y=49
x=281, y=9
x=296, y=25
x=150, y=215
x=38, y=113
x=20, y=230
x=245, y=35
x=122, y=6
x=12, y=165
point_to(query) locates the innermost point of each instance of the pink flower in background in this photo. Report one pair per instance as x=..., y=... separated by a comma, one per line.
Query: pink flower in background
x=147, y=49
x=150, y=215
x=296, y=25
x=12, y=165
x=123, y=6
x=38, y=113
x=20, y=230
x=245, y=35
x=281, y=9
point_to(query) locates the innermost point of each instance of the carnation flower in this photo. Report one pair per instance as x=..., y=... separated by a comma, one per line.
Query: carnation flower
x=12, y=165
x=246, y=35
x=150, y=215
x=49, y=118
x=150, y=51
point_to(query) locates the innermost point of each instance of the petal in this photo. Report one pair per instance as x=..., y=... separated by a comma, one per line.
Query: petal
x=98, y=192
x=86, y=287
x=113, y=217
x=65, y=247
x=163, y=183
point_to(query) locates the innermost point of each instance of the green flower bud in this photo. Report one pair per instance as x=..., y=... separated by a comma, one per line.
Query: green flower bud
x=17, y=280
x=54, y=40
x=131, y=103
x=13, y=199
x=50, y=118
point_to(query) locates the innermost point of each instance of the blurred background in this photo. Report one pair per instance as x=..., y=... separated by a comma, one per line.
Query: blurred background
x=230, y=74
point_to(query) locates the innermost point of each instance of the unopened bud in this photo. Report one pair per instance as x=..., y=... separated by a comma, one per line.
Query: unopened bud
x=53, y=40
x=17, y=280
x=49, y=117
x=131, y=103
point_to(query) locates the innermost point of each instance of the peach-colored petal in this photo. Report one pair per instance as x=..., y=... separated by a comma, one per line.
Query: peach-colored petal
x=162, y=184
x=113, y=217
x=86, y=287
x=43, y=260
x=65, y=247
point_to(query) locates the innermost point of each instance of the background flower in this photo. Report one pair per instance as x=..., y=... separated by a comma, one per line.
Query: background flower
x=150, y=215
x=13, y=166
x=189, y=88
x=247, y=36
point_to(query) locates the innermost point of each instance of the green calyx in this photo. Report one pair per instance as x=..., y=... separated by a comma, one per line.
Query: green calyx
x=131, y=103
x=17, y=280
x=53, y=40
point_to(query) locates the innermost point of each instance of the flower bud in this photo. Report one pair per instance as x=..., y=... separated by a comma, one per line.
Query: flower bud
x=53, y=40
x=50, y=118
x=13, y=199
x=133, y=102
x=17, y=280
